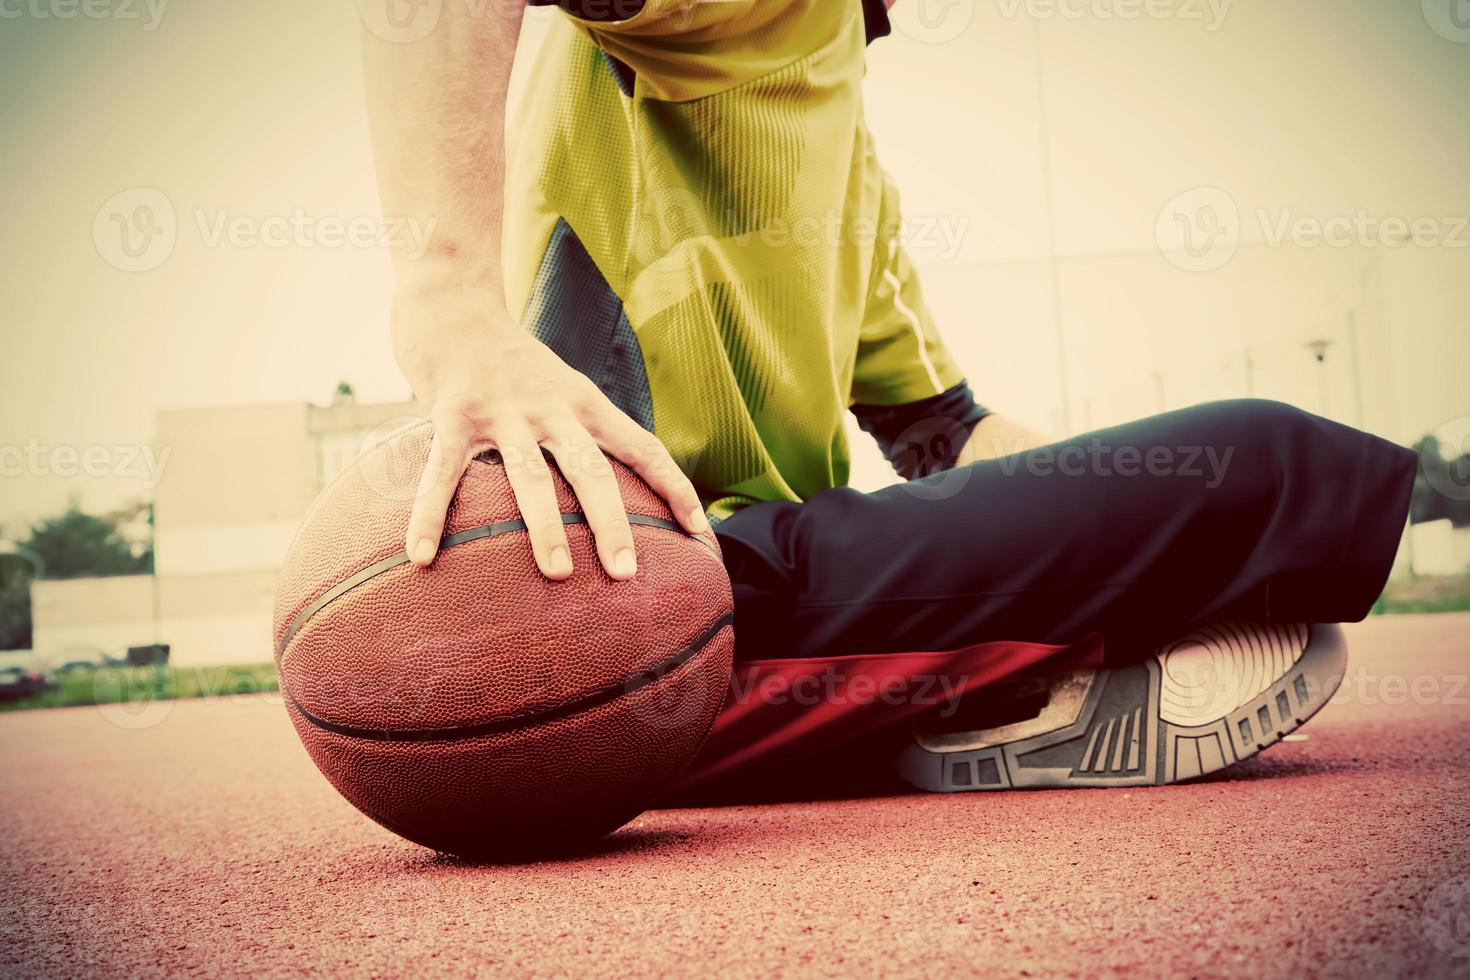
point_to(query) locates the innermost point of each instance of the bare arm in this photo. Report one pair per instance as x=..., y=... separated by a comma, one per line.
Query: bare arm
x=437, y=111
x=995, y=436
x=436, y=107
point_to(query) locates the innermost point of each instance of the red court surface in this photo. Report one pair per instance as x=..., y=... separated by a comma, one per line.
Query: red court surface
x=207, y=844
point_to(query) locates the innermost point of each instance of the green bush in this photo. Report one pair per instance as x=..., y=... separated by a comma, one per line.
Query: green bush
x=121, y=685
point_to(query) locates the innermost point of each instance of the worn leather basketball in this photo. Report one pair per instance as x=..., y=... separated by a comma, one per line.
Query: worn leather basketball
x=475, y=706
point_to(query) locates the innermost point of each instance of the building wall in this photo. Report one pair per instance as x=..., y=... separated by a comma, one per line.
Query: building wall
x=1439, y=548
x=235, y=485
x=71, y=618
x=234, y=466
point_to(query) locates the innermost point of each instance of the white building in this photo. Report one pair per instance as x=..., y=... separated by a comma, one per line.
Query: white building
x=234, y=487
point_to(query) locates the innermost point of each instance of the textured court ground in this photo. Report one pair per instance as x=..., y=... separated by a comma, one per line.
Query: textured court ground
x=207, y=844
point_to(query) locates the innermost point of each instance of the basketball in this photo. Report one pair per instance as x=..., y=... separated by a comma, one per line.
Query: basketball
x=475, y=706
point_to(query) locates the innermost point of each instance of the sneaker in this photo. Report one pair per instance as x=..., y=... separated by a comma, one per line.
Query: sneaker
x=1201, y=703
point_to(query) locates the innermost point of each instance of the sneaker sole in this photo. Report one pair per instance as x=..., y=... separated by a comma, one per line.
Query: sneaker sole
x=1219, y=695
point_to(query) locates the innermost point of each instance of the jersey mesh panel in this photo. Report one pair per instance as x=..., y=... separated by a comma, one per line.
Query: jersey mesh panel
x=724, y=223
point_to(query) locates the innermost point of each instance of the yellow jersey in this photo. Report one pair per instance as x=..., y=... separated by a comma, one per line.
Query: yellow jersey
x=696, y=218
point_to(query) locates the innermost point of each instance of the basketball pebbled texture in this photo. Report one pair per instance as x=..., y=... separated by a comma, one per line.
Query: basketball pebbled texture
x=475, y=706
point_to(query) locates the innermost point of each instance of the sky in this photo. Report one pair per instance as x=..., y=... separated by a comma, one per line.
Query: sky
x=1055, y=157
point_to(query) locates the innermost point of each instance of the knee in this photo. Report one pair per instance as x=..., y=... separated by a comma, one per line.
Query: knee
x=1258, y=442
x=1261, y=413
x=1259, y=422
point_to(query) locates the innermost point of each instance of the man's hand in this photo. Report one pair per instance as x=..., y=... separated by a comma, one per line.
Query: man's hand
x=489, y=384
x=437, y=108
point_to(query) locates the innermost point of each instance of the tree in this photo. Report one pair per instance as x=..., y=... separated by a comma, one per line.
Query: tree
x=71, y=545
x=15, y=605
x=77, y=545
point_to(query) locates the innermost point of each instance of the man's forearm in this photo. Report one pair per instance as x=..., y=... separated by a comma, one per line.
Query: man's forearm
x=995, y=436
x=437, y=112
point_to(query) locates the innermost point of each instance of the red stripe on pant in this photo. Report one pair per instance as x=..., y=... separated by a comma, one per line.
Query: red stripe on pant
x=780, y=709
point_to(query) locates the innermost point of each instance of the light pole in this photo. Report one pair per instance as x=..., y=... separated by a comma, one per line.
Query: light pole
x=1372, y=277
x=1059, y=328
x=1352, y=337
x=1318, y=349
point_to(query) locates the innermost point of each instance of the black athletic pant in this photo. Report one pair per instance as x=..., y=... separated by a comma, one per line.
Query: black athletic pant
x=1249, y=510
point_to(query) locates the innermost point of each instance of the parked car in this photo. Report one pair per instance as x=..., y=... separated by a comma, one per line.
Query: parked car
x=81, y=658
x=22, y=674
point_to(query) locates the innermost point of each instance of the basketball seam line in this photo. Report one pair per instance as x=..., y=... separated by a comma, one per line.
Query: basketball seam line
x=493, y=529
x=630, y=684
